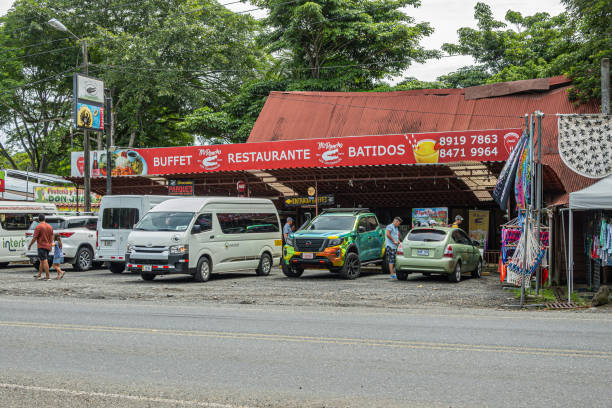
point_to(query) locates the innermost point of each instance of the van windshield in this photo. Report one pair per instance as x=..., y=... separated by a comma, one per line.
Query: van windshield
x=165, y=221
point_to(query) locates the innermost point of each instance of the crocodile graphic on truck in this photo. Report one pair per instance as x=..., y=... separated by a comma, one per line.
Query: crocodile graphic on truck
x=340, y=240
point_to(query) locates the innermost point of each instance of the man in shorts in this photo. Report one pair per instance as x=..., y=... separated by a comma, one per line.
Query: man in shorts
x=391, y=243
x=43, y=236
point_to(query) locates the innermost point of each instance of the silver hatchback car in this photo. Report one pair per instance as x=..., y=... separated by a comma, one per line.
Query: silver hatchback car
x=438, y=250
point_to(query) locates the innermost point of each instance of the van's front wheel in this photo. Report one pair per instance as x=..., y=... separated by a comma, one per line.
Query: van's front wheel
x=202, y=273
x=265, y=265
x=147, y=276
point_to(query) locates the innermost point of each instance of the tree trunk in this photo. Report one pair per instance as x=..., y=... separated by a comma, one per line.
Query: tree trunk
x=132, y=138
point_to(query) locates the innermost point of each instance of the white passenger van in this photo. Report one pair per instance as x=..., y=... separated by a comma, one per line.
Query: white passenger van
x=118, y=215
x=201, y=235
x=15, y=219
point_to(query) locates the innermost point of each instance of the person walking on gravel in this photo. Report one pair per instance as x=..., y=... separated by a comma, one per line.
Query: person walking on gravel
x=58, y=256
x=391, y=243
x=43, y=236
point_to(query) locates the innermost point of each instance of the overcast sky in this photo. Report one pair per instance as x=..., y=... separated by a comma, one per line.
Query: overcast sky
x=446, y=16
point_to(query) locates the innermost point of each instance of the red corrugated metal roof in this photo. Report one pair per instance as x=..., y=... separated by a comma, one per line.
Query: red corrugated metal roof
x=308, y=115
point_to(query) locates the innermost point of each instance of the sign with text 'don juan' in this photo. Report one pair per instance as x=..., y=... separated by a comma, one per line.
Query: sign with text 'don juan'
x=180, y=187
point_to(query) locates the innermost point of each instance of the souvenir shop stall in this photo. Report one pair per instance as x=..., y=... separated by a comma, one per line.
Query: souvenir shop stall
x=525, y=239
x=596, y=204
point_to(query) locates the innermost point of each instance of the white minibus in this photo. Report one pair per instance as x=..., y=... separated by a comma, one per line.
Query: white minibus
x=118, y=215
x=201, y=235
x=15, y=219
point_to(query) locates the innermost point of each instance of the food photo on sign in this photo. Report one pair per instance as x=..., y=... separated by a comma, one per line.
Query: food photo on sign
x=123, y=162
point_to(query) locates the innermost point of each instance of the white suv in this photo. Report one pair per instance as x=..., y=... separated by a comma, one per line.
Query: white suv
x=78, y=235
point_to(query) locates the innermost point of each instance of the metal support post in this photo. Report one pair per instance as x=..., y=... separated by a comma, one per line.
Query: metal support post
x=524, y=268
x=605, y=86
x=538, y=188
x=570, y=280
x=109, y=161
x=86, y=162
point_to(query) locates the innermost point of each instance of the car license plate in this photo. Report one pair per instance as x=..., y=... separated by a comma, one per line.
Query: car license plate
x=107, y=243
x=422, y=252
x=147, y=268
x=308, y=255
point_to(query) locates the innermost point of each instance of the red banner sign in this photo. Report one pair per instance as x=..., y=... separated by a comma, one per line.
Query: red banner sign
x=411, y=148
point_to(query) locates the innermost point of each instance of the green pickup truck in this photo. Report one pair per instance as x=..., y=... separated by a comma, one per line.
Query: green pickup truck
x=340, y=240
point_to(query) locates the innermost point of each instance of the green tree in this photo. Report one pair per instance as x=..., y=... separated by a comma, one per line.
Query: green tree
x=525, y=47
x=592, y=20
x=373, y=39
x=322, y=45
x=161, y=60
x=531, y=48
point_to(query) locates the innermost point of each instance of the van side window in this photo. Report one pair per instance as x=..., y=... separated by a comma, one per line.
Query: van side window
x=120, y=218
x=248, y=223
x=204, y=221
x=15, y=222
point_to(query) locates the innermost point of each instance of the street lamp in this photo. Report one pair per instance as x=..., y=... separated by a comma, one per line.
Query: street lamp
x=55, y=23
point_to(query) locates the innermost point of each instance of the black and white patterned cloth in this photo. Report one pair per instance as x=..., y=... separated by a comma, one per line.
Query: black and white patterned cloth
x=585, y=144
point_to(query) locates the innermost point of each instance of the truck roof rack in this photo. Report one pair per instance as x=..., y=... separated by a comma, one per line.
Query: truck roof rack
x=351, y=210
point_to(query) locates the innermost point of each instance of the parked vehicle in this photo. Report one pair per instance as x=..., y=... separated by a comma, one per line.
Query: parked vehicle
x=200, y=235
x=78, y=235
x=340, y=240
x=118, y=215
x=438, y=250
x=15, y=218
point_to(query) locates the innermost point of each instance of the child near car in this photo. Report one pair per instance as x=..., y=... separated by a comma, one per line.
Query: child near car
x=58, y=256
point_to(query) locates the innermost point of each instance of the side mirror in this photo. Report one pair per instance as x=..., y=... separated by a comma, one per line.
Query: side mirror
x=476, y=243
x=361, y=229
x=196, y=229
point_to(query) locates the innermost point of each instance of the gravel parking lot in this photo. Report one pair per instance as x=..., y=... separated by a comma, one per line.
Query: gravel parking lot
x=372, y=289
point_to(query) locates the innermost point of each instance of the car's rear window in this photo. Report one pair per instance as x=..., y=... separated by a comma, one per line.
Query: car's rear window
x=56, y=223
x=426, y=235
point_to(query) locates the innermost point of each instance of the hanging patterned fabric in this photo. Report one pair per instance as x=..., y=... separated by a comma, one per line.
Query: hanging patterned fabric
x=505, y=181
x=585, y=144
x=522, y=183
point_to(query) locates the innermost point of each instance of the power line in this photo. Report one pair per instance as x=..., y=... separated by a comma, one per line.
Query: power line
x=9, y=89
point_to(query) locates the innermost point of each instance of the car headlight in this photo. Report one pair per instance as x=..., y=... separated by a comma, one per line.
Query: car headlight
x=130, y=248
x=335, y=242
x=289, y=241
x=179, y=249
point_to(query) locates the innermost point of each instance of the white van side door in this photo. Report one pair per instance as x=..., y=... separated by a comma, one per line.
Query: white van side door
x=203, y=242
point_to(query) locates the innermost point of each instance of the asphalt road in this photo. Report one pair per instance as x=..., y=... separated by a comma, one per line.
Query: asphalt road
x=77, y=353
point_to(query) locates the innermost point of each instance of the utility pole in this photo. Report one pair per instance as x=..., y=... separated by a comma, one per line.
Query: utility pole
x=108, y=128
x=86, y=173
x=605, y=86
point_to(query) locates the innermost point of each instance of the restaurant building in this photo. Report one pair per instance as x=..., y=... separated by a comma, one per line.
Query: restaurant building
x=392, y=152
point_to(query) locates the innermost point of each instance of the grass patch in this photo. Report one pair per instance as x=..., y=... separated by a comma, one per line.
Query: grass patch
x=547, y=296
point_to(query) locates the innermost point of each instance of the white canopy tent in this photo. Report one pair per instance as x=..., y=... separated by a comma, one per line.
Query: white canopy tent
x=595, y=197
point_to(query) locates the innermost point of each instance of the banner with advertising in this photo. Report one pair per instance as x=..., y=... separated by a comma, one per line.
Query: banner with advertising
x=411, y=148
x=88, y=105
x=65, y=198
x=421, y=217
x=180, y=187
x=479, y=227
